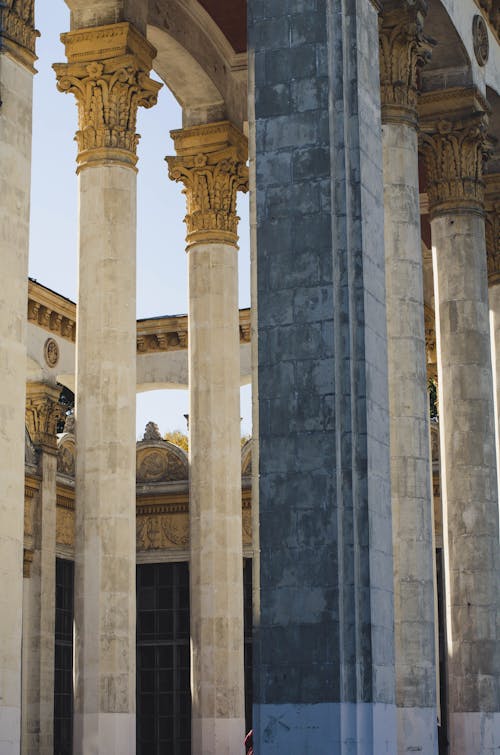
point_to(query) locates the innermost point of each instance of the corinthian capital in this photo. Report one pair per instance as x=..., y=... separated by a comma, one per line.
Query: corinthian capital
x=492, y=226
x=108, y=72
x=454, y=145
x=17, y=30
x=43, y=412
x=211, y=163
x=403, y=50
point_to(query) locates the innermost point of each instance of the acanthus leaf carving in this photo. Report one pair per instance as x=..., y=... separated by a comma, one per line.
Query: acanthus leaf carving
x=108, y=72
x=212, y=168
x=43, y=412
x=454, y=153
x=403, y=50
x=17, y=26
x=492, y=227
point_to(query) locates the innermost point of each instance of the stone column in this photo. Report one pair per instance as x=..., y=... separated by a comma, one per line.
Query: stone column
x=107, y=71
x=210, y=163
x=324, y=633
x=17, y=56
x=454, y=125
x=492, y=198
x=42, y=414
x=403, y=49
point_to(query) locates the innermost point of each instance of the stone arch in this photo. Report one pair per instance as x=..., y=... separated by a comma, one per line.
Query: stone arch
x=161, y=461
x=197, y=63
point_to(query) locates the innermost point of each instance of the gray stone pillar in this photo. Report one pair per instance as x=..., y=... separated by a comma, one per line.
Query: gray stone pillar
x=108, y=74
x=453, y=145
x=324, y=634
x=210, y=163
x=42, y=414
x=17, y=55
x=402, y=49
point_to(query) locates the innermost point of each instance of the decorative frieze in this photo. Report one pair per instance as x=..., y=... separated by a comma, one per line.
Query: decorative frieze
x=211, y=163
x=455, y=146
x=108, y=72
x=17, y=30
x=492, y=227
x=403, y=50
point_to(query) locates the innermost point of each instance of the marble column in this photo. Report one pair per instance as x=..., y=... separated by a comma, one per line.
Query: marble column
x=492, y=197
x=42, y=414
x=403, y=49
x=17, y=56
x=454, y=128
x=108, y=72
x=210, y=163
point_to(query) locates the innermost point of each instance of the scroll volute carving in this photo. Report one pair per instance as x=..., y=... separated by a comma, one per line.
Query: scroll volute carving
x=108, y=72
x=403, y=50
x=211, y=163
x=455, y=147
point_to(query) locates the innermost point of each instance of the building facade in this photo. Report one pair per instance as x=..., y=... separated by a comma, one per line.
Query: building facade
x=336, y=582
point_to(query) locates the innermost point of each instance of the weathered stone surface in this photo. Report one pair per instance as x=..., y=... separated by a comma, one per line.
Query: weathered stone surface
x=325, y=627
x=15, y=165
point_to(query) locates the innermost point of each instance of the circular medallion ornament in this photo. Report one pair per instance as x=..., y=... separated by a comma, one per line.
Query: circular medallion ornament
x=481, y=40
x=51, y=352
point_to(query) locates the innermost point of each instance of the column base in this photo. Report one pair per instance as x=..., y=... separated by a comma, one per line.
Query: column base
x=10, y=730
x=417, y=730
x=362, y=728
x=104, y=733
x=224, y=736
x=475, y=733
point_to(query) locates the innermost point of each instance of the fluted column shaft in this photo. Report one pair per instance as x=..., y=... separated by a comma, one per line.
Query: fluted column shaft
x=211, y=164
x=453, y=151
x=108, y=73
x=403, y=48
x=17, y=55
x=42, y=414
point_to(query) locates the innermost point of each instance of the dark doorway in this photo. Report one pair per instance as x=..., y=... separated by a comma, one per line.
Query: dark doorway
x=163, y=660
x=443, y=697
x=63, y=681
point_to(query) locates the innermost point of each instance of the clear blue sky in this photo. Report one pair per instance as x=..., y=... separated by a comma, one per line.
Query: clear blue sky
x=161, y=259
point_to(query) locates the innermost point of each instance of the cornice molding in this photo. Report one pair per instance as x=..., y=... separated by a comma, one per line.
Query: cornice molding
x=57, y=315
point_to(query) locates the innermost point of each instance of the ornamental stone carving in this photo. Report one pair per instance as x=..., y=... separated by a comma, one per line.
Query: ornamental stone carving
x=43, y=412
x=17, y=30
x=430, y=342
x=152, y=432
x=108, y=72
x=164, y=530
x=160, y=461
x=480, y=40
x=66, y=461
x=403, y=50
x=211, y=163
x=454, y=148
x=492, y=227
x=492, y=11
